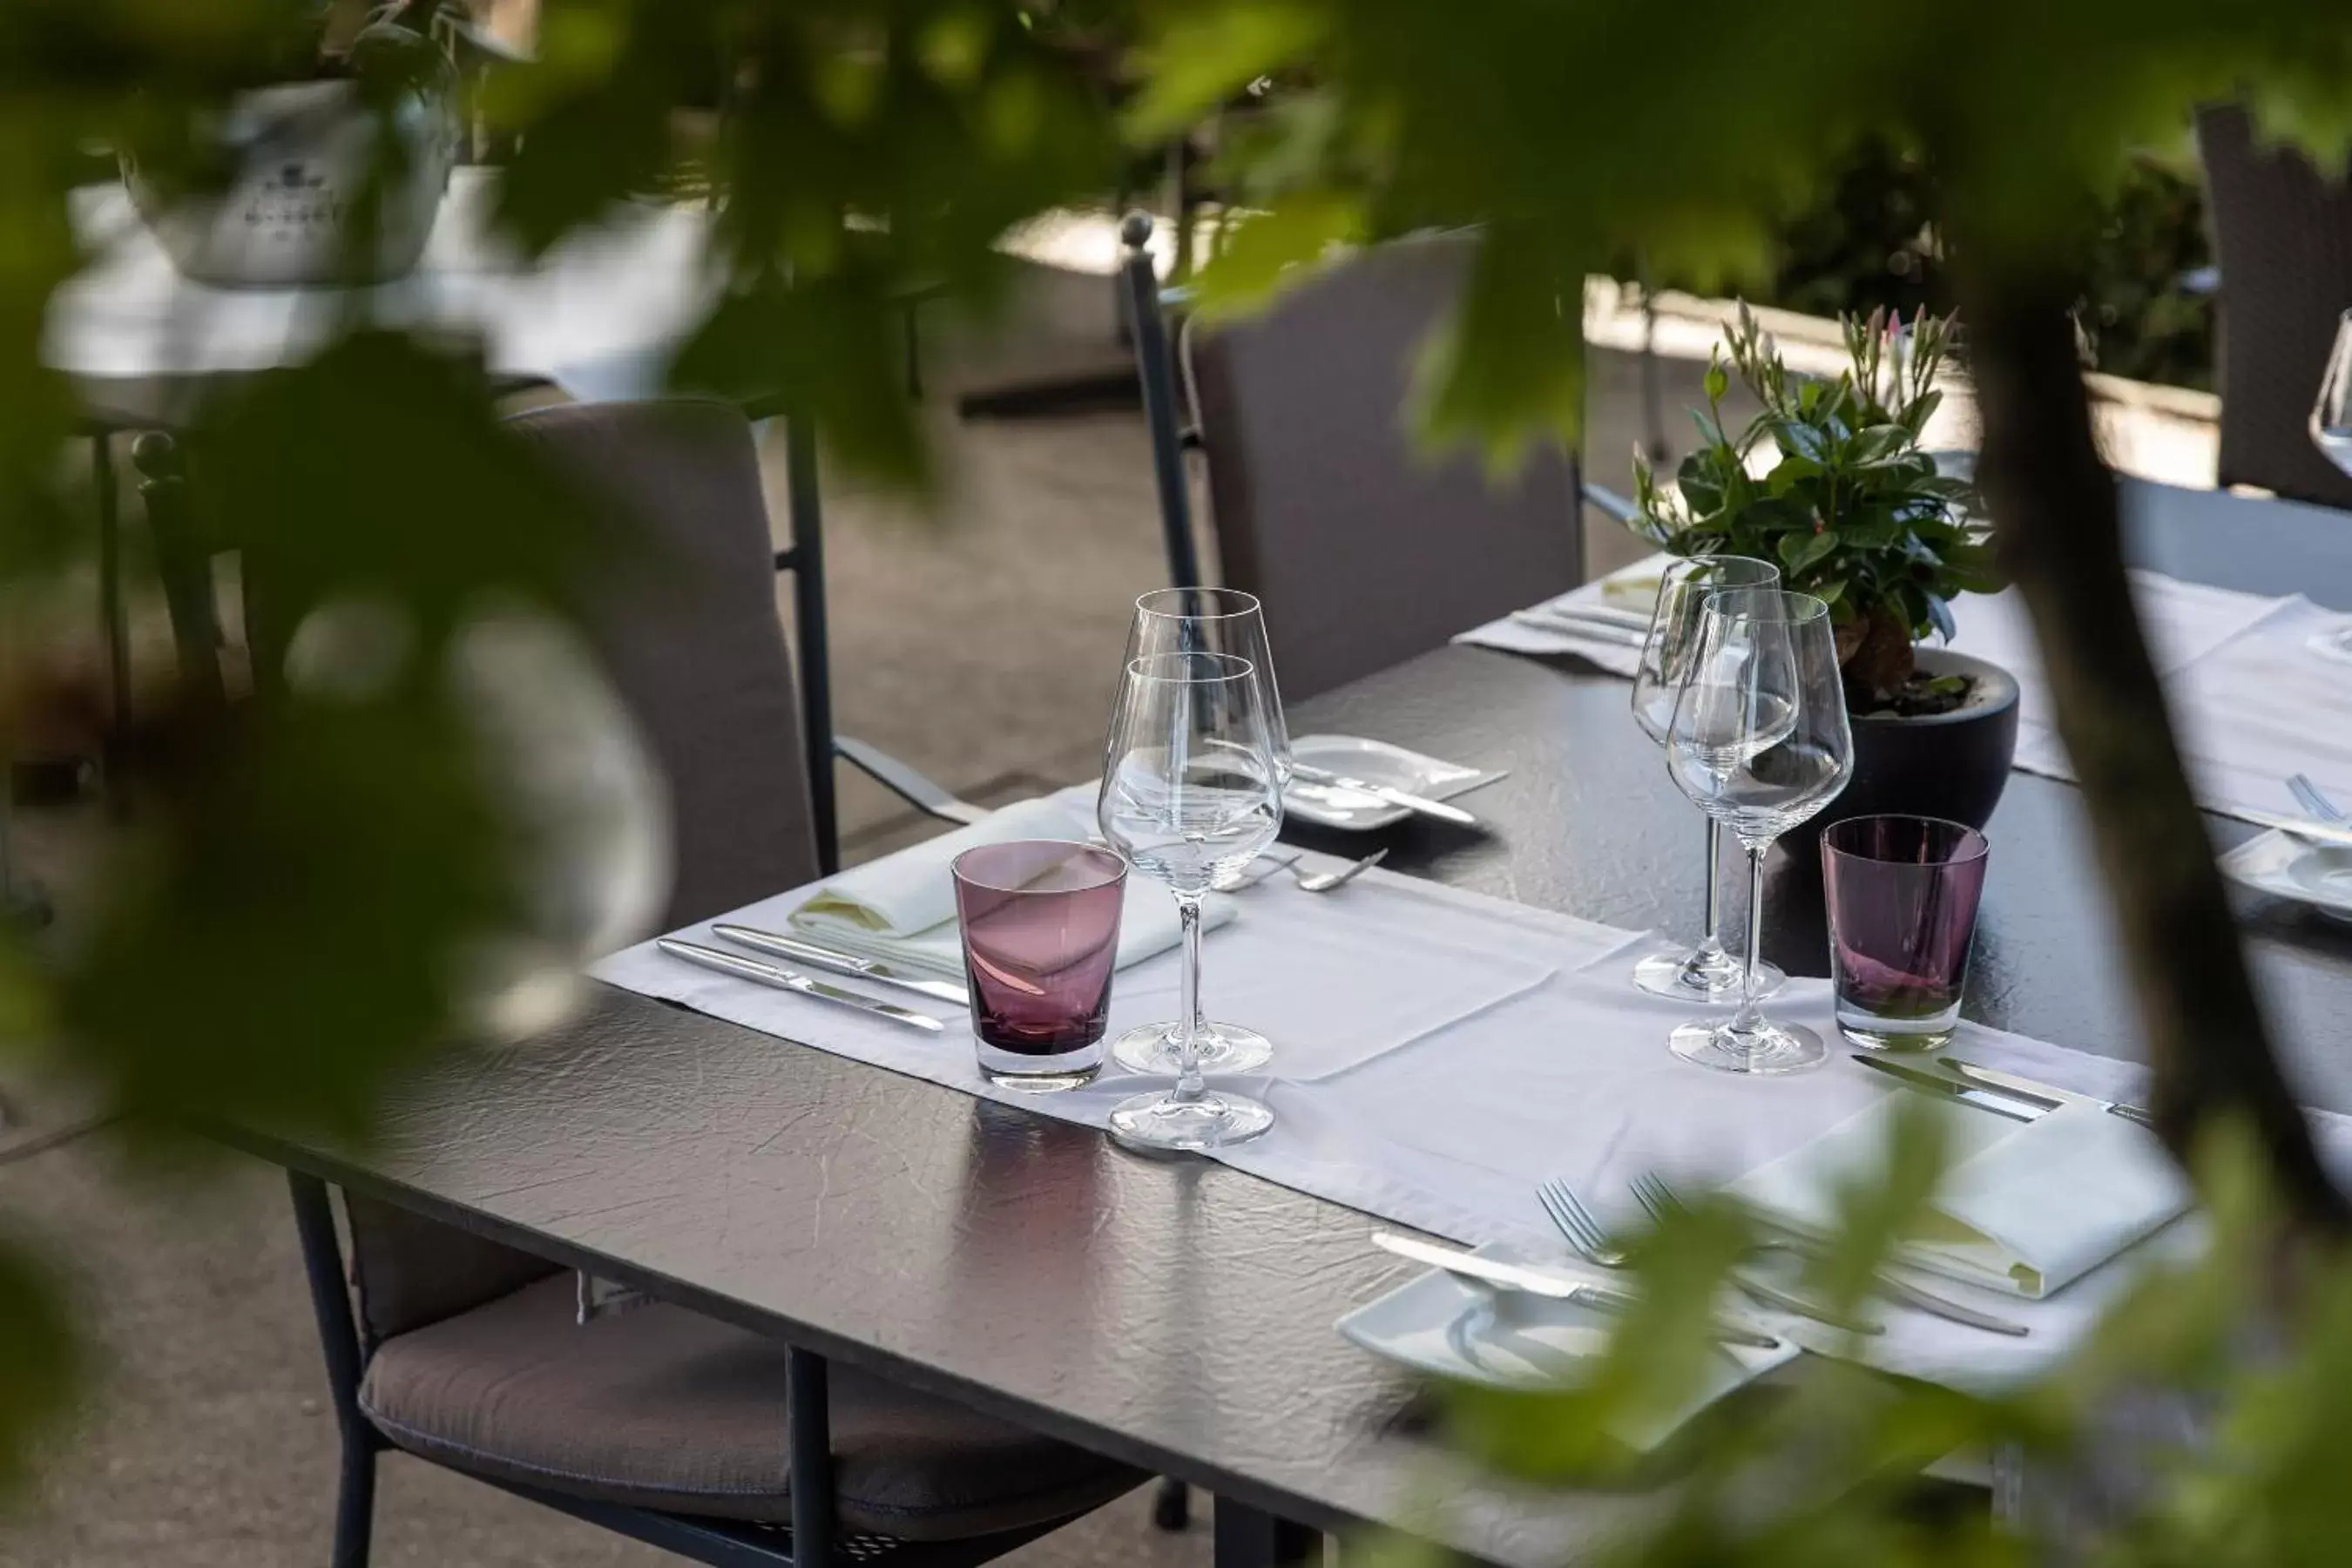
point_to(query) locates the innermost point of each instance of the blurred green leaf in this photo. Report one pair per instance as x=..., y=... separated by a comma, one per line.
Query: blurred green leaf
x=1266, y=249
x=1207, y=53
x=44, y=1358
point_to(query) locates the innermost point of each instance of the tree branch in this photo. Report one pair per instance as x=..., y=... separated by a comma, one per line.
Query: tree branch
x=2056, y=524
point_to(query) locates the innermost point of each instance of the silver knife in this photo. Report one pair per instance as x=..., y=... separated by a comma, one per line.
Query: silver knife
x=2042, y=1093
x=1405, y=799
x=826, y=958
x=1593, y=610
x=2295, y=826
x=1999, y=1101
x=1536, y=1283
x=785, y=980
x=1580, y=627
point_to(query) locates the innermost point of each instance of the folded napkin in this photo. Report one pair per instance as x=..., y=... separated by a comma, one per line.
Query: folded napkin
x=2028, y=1208
x=901, y=909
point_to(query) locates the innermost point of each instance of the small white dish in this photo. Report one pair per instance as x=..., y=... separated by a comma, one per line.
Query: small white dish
x=2284, y=867
x=1374, y=762
x=1439, y=1324
x=1447, y=1328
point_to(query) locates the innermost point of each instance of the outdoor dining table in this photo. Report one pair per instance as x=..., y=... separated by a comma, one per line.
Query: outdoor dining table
x=1178, y=1314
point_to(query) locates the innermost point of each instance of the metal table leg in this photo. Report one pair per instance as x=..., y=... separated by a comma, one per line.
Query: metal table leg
x=1251, y=1538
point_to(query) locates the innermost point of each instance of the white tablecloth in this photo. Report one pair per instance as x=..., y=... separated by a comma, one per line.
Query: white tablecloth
x=1447, y=1126
x=2252, y=700
x=598, y=315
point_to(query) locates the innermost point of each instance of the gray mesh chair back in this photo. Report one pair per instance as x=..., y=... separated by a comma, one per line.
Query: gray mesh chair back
x=1363, y=552
x=693, y=644
x=2283, y=235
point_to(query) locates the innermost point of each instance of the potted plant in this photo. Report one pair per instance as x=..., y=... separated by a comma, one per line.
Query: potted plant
x=1829, y=482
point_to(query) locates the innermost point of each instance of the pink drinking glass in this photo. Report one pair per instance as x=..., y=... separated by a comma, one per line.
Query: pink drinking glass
x=1902, y=893
x=1040, y=922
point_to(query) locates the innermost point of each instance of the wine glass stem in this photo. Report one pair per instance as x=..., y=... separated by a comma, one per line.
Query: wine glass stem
x=1749, y=1015
x=1714, y=888
x=1188, y=1021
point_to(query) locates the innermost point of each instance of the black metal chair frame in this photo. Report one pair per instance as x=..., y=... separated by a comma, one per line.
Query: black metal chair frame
x=810, y=1541
x=1168, y=411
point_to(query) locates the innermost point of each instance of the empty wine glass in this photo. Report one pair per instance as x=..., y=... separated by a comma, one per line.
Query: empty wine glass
x=1759, y=741
x=2331, y=432
x=1190, y=791
x=1206, y=620
x=1706, y=973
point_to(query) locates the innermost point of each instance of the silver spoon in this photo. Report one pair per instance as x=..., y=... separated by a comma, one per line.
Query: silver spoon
x=1324, y=881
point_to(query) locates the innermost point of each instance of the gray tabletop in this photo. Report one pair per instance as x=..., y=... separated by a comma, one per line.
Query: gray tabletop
x=1176, y=1314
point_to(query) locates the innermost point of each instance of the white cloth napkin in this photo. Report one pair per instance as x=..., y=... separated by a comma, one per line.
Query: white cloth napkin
x=2028, y=1208
x=901, y=909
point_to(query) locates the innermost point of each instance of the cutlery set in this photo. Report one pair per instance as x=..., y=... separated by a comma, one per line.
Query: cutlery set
x=812, y=955
x=1589, y=622
x=1987, y=1089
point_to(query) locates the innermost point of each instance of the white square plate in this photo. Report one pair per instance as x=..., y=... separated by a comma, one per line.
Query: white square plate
x=1434, y=1325
x=2319, y=875
x=1374, y=762
x=1427, y=1323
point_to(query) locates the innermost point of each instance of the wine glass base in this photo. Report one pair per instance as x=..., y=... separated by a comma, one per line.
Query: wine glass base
x=1765, y=1047
x=1224, y=1048
x=1161, y=1121
x=1702, y=976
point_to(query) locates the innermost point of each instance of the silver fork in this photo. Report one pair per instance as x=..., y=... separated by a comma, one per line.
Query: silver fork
x=1324, y=881
x=2313, y=799
x=1585, y=1233
x=1654, y=1195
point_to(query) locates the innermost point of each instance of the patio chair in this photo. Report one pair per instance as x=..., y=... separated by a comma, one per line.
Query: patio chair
x=658, y=1422
x=2283, y=236
x=1364, y=553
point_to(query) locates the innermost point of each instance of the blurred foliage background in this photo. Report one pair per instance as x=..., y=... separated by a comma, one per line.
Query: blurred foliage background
x=2146, y=311
x=284, y=919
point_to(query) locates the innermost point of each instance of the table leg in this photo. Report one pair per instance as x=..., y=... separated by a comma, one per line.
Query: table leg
x=1251, y=1538
x=112, y=623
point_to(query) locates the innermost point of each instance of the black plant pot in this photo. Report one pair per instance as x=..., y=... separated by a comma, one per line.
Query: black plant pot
x=1953, y=766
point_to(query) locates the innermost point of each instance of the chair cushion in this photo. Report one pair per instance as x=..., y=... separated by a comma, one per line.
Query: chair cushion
x=662, y=1407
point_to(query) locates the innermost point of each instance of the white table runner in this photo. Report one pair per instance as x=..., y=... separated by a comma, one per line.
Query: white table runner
x=2252, y=700
x=1447, y=1126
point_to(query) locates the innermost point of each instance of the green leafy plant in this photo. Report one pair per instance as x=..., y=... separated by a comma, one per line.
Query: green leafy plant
x=1851, y=509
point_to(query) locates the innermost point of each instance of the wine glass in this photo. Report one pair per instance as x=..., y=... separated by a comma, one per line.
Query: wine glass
x=1759, y=741
x=1706, y=973
x=2331, y=432
x=1206, y=620
x=1189, y=792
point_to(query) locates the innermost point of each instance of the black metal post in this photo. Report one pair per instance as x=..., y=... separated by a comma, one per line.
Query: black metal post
x=183, y=562
x=322, y=1262
x=1155, y=369
x=109, y=609
x=1247, y=1537
x=808, y=1427
x=808, y=615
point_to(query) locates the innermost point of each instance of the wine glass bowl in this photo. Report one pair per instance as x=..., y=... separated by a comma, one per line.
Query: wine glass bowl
x=2331, y=432
x=1758, y=740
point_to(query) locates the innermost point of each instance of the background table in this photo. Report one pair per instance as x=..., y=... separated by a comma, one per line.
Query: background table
x=1178, y=1315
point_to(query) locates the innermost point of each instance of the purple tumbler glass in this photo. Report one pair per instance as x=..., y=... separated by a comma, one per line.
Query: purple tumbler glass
x=1040, y=921
x=1902, y=894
